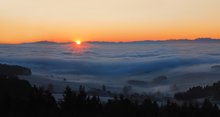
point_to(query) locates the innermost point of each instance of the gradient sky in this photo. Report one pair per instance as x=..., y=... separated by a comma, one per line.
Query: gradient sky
x=107, y=20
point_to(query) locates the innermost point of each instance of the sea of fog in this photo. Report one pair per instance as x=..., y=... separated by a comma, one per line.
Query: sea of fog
x=144, y=67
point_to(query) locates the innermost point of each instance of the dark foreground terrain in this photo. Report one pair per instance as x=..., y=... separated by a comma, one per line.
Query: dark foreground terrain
x=19, y=99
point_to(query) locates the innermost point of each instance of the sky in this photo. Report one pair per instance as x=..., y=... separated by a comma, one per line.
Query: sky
x=107, y=20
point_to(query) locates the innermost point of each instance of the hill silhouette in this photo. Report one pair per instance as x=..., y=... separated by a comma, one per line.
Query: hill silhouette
x=14, y=70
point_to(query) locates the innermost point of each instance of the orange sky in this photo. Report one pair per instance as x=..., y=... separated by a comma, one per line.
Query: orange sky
x=107, y=20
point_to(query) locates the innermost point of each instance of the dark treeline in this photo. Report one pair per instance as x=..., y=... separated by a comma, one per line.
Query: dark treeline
x=200, y=92
x=19, y=99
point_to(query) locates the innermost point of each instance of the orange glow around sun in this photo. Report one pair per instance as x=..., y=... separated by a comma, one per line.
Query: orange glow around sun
x=107, y=20
x=78, y=42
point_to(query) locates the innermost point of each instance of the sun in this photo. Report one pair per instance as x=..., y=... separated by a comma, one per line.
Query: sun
x=78, y=42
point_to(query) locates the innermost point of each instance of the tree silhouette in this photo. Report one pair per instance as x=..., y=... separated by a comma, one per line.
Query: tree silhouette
x=19, y=98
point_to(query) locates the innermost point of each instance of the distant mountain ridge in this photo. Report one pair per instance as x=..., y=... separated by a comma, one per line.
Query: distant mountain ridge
x=47, y=42
x=144, y=41
x=169, y=40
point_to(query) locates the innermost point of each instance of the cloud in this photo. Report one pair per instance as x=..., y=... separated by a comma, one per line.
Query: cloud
x=106, y=59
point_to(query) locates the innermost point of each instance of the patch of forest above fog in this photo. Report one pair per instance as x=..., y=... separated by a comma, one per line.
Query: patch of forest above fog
x=198, y=92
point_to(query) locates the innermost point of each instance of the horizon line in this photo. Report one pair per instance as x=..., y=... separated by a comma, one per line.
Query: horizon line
x=95, y=41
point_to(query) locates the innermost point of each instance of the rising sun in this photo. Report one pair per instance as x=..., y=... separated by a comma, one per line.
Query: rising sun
x=78, y=42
